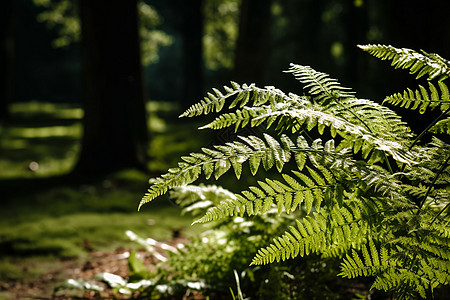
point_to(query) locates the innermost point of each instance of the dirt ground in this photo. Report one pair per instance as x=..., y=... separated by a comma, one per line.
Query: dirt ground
x=43, y=288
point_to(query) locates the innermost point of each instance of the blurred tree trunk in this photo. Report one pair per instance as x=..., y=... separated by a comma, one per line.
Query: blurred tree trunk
x=115, y=132
x=356, y=29
x=253, y=41
x=191, y=28
x=6, y=56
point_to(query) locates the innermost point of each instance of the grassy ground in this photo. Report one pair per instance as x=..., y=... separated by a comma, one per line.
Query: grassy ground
x=45, y=219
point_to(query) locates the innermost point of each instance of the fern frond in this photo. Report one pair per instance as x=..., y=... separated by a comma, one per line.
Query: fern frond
x=441, y=127
x=287, y=196
x=217, y=162
x=318, y=233
x=332, y=173
x=374, y=193
x=377, y=118
x=422, y=99
x=320, y=85
x=339, y=102
x=196, y=199
x=370, y=263
x=423, y=63
x=356, y=137
x=243, y=94
x=411, y=282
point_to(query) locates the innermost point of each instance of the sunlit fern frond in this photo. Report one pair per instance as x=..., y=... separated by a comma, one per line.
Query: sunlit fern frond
x=331, y=173
x=287, y=196
x=268, y=152
x=371, y=262
x=441, y=127
x=250, y=116
x=429, y=179
x=422, y=99
x=243, y=95
x=324, y=232
x=433, y=157
x=355, y=137
x=340, y=102
x=430, y=64
x=374, y=193
x=320, y=85
x=196, y=199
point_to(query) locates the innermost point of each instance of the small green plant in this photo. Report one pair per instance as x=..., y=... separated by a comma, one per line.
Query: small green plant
x=374, y=194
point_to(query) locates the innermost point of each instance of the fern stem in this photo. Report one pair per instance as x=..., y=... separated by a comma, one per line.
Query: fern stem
x=388, y=164
x=443, y=166
x=416, y=140
x=440, y=212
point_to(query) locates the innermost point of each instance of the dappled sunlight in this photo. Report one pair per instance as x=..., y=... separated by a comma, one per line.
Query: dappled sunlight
x=34, y=143
x=73, y=131
x=43, y=139
x=54, y=110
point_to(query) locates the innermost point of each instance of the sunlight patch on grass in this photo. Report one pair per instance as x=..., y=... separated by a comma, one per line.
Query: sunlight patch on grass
x=56, y=110
x=36, y=143
x=66, y=236
x=72, y=131
x=33, y=160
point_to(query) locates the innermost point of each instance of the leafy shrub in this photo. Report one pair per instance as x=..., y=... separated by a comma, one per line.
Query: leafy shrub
x=374, y=194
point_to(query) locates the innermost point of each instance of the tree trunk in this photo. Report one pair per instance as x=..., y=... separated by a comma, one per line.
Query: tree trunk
x=253, y=41
x=191, y=28
x=356, y=31
x=115, y=132
x=6, y=56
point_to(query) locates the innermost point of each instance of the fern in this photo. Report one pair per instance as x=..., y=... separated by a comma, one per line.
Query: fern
x=422, y=99
x=215, y=102
x=327, y=232
x=423, y=63
x=372, y=195
x=442, y=127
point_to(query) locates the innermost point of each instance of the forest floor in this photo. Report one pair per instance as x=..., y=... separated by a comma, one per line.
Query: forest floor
x=45, y=287
x=51, y=234
x=50, y=283
x=51, y=229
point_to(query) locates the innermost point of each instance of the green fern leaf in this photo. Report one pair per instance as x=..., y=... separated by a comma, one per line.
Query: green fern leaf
x=422, y=99
x=319, y=84
x=353, y=266
x=423, y=63
x=218, y=162
x=442, y=127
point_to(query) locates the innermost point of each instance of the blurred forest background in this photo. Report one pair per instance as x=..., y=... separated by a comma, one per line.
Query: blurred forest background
x=90, y=92
x=110, y=59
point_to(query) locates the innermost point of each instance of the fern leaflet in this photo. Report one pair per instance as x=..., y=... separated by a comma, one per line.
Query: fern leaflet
x=423, y=63
x=422, y=99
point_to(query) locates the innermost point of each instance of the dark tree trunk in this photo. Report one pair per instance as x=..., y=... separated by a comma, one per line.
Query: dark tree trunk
x=191, y=27
x=115, y=132
x=356, y=34
x=6, y=56
x=253, y=41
